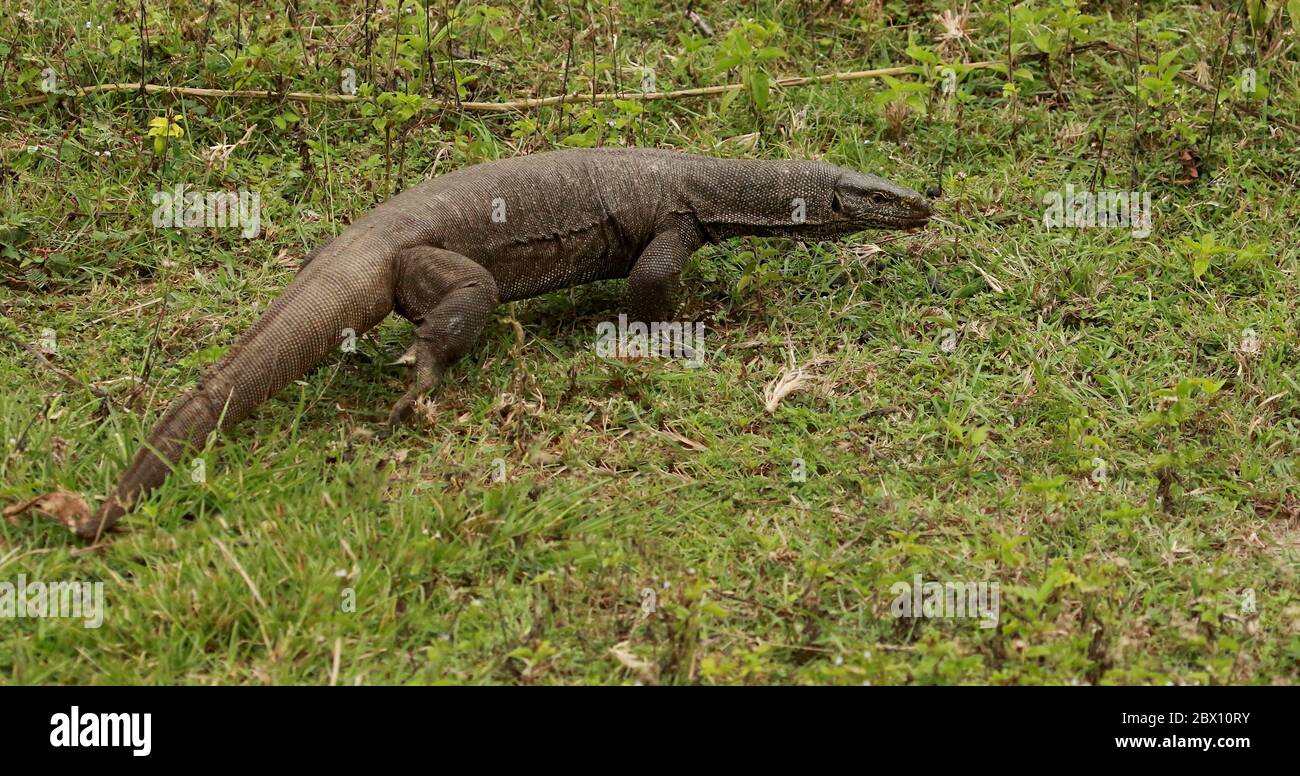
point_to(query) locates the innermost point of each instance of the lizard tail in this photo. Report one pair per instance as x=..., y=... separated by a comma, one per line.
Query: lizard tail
x=336, y=297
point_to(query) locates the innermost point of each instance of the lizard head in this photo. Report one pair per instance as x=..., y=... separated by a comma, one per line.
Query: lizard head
x=861, y=201
x=802, y=200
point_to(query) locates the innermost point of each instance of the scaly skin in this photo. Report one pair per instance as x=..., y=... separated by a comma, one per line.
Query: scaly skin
x=445, y=253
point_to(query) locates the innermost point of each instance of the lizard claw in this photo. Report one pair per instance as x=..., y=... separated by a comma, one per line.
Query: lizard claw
x=401, y=410
x=406, y=359
x=397, y=417
x=421, y=386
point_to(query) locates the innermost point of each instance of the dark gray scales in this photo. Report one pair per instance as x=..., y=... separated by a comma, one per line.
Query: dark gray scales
x=445, y=253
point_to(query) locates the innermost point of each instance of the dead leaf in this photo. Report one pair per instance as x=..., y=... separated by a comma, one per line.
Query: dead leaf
x=647, y=671
x=791, y=380
x=65, y=508
x=742, y=141
x=680, y=439
x=1190, y=161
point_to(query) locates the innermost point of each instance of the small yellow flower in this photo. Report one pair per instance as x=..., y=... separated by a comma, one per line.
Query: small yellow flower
x=166, y=127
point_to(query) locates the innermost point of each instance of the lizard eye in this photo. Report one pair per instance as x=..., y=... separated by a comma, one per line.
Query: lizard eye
x=879, y=197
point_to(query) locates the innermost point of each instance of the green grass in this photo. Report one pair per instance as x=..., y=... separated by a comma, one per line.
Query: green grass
x=972, y=465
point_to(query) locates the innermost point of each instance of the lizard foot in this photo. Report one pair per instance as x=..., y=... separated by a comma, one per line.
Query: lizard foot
x=424, y=381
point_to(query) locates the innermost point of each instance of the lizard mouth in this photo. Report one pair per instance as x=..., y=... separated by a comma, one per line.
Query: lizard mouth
x=907, y=222
x=914, y=215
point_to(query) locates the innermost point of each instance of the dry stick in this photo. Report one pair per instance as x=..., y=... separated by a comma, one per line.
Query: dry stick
x=618, y=76
x=703, y=26
x=147, y=369
x=392, y=57
x=325, y=154
x=1136, y=58
x=334, y=664
x=1254, y=50
x=430, y=75
x=542, y=102
x=1011, y=79
x=143, y=47
x=365, y=30
x=130, y=309
x=388, y=132
x=1099, y=170
x=1214, y=113
x=642, y=118
x=67, y=376
x=252, y=586
x=21, y=443
x=943, y=164
x=291, y=8
x=568, y=62
x=207, y=28
x=5, y=61
x=492, y=107
x=451, y=59
x=257, y=611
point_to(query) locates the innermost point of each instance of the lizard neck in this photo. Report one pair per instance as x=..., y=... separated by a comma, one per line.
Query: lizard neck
x=743, y=197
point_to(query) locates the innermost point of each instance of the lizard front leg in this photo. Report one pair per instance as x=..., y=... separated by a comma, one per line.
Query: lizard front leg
x=449, y=298
x=652, y=283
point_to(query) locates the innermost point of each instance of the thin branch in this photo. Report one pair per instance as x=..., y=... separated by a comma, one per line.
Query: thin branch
x=542, y=102
x=1218, y=84
x=65, y=375
x=491, y=107
x=1135, y=58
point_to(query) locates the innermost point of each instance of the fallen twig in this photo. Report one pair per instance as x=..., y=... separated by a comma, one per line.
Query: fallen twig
x=487, y=107
x=700, y=22
x=67, y=376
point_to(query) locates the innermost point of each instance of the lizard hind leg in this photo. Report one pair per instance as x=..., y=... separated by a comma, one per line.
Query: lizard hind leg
x=450, y=298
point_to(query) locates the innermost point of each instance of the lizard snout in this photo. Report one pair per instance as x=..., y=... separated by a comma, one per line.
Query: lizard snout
x=918, y=211
x=922, y=208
